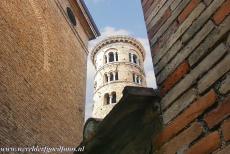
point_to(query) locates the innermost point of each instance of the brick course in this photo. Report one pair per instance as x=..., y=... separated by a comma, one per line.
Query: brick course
x=191, y=62
x=184, y=53
x=202, y=19
x=225, y=150
x=184, y=138
x=187, y=116
x=225, y=129
x=209, y=42
x=225, y=85
x=213, y=75
x=207, y=144
x=42, y=74
x=158, y=24
x=175, y=77
x=184, y=14
x=190, y=78
x=217, y=115
x=182, y=28
x=222, y=12
x=179, y=105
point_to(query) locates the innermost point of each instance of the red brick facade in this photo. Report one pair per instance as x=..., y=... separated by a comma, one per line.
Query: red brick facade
x=42, y=73
x=190, y=45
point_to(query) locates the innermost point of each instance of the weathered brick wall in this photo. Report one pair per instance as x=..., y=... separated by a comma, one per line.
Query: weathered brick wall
x=42, y=74
x=190, y=45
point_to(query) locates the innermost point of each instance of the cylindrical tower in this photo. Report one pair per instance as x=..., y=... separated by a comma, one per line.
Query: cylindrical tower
x=119, y=62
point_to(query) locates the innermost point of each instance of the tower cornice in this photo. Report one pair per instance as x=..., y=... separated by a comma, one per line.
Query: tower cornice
x=117, y=39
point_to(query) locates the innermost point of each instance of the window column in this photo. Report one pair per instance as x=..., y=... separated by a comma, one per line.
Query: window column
x=110, y=99
x=132, y=58
x=114, y=76
x=107, y=58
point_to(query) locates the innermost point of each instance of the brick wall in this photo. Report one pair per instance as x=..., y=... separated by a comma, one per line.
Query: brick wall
x=42, y=74
x=190, y=46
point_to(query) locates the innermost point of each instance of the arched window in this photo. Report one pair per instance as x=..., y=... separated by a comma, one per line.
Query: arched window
x=137, y=78
x=111, y=76
x=105, y=59
x=116, y=76
x=114, y=97
x=116, y=56
x=111, y=56
x=106, y=99
x=134, y=58
x=106, y=78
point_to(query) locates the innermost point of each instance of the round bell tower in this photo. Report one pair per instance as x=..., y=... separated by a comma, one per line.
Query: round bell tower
x=119, y=62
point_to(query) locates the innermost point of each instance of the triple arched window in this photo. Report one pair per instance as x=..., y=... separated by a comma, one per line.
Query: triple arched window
x=110, y=98
x=111, y=57
x=137, y=78
x=111, y=76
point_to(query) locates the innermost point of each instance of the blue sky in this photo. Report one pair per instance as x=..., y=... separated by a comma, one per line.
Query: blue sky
x=121, y=14
x=117, y=17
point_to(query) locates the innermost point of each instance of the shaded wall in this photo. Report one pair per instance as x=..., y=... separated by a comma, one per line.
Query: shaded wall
x=42, y=74
x=191, y=56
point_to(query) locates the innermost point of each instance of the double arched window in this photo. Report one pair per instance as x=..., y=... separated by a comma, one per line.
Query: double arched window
x=112, y=76
x=137, y=78
x=111, y=56
x=133, y=58
x=110, y=98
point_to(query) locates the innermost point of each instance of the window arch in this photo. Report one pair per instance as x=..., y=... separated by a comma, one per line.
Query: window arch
x=114, y=97
x=106, y=99
x=111, y=56
x=112, y=76
x=133, y=58
x=137, y=78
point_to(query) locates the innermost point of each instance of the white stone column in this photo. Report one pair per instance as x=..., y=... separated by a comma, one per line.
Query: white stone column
x=114, y=56
x=110, y=99
x=114, y=76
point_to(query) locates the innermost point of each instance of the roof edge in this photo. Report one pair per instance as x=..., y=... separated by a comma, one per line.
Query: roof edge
x=117, y=38
x=91, y=22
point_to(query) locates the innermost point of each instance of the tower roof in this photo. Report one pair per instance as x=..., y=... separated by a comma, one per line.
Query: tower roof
x=116, y=39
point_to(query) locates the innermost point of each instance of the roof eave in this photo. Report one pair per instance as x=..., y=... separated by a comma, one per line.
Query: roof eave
x=90, y=21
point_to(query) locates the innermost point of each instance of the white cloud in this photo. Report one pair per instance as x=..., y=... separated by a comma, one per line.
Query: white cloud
x=106, y=32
